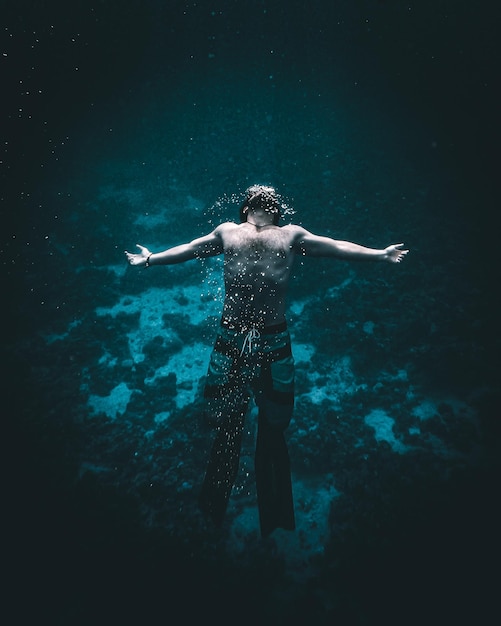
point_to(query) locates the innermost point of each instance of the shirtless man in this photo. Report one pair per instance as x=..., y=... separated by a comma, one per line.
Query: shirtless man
x=252, y=354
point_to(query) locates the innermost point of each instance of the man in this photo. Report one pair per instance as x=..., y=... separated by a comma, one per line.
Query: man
x=252, y=354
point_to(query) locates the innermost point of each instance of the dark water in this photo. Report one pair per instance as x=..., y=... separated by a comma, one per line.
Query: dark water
x=127, y=122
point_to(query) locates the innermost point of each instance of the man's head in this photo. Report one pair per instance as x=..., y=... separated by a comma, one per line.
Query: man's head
x=261, y=197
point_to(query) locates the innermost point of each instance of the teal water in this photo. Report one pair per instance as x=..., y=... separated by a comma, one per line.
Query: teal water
x=144, y=124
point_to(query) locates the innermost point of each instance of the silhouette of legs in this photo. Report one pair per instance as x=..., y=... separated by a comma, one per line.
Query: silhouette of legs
x=222, y=468
x=273, y=477
x=267, y=370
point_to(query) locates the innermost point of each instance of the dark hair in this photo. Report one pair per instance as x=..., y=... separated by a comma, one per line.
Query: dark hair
x=261, y=196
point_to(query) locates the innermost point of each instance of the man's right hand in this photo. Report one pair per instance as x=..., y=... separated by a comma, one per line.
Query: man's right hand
x=140, y=258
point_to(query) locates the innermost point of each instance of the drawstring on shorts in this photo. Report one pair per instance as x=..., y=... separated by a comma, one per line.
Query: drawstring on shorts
x=251, y=336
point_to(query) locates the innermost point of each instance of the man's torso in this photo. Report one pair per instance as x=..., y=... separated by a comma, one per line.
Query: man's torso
x=257, y=265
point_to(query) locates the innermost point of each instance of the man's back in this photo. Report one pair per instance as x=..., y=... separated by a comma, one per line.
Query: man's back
x=257, y=265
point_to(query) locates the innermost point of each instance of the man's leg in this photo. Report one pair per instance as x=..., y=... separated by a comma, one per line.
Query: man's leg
x=273, y=477
x=227, y=400
x=222, y=468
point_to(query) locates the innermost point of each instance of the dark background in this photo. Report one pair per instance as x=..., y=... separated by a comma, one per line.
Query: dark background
x=68, y=67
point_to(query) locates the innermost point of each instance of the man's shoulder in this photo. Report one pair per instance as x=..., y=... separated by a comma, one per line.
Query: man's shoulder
x=294, y=231
x=293, y=228
x=225, y=227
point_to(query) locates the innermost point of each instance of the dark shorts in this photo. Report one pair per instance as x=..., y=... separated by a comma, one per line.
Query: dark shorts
x=259, y=362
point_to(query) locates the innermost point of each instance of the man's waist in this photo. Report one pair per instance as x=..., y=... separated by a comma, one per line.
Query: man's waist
x=260, y=325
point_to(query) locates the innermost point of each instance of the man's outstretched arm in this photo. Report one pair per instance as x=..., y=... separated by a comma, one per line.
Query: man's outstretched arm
x=309, y=244
x=209, y=245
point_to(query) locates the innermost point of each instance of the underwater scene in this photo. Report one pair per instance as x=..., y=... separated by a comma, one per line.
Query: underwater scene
x=144, y=123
